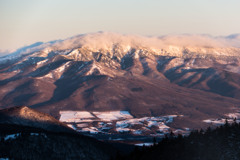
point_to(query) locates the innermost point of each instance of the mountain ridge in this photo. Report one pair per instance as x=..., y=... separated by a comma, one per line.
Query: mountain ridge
x=199, y=84
x=173, y=44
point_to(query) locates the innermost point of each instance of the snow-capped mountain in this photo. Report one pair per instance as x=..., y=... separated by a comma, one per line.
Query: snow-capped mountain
x=196, y=76
x=175, y=45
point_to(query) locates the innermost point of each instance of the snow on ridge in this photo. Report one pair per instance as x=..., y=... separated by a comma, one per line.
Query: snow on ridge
x=41, y=62
x=56, y=73
x=109, y=40
x=62, y=67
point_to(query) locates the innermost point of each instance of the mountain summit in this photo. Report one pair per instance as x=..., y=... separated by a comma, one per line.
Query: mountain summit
x=192, y=75
x=108, y=42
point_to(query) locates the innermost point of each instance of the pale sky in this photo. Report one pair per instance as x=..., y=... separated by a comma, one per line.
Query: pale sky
x=23, y=22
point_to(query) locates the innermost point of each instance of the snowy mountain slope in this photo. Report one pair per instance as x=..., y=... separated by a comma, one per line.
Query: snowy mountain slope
x=173, y=45
x=109, y=71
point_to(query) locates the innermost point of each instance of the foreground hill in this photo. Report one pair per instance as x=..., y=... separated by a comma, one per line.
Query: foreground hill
x=24, y=116
x=29, y=134
x=20, y=141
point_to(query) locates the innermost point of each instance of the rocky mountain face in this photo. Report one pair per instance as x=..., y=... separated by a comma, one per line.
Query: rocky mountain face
x=145, y=76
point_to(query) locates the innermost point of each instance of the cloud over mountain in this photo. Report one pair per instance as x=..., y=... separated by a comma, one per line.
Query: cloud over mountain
x=107, y=40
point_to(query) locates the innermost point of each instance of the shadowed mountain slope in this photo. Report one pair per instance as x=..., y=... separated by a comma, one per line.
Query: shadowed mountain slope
x=106, y=71
x=29, y=134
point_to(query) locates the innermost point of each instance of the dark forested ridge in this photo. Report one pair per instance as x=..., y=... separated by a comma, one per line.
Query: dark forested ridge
x=24, y=141
x=32, y=143
x=28, y=134
x=222, y=143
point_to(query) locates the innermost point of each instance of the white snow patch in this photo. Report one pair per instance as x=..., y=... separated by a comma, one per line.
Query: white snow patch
x=233, y=115
x=122, y=129
x=221, y=121
x=82, y=125
x=49, y=75
x=163, y=127
x=92, y=130
x=113, y=115
x=72, y=126
x=138, y=132
x=215, y=121
x=119, y=121
x=152, y=123
x=136, y=56
x=56, y=73
x=122, y=124
x=170, y=118
x=42, y=62
x=143, y=144
x=11, y=136
x=62, y=68
x=131, y=122
x=75, y=116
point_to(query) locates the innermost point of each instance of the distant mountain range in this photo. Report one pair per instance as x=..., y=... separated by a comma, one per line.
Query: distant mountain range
x=190, y=75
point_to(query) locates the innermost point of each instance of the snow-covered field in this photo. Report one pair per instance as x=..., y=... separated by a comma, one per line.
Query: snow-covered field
x=115, y=122
x=113, y=115
x=76, y=116
x=221, y=121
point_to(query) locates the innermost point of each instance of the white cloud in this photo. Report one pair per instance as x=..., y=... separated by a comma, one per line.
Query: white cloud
x=106, y=40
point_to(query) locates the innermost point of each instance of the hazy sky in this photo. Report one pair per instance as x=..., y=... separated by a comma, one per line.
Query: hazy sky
x=24, y=22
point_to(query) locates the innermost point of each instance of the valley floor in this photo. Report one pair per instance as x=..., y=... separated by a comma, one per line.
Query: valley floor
x=121, y=126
